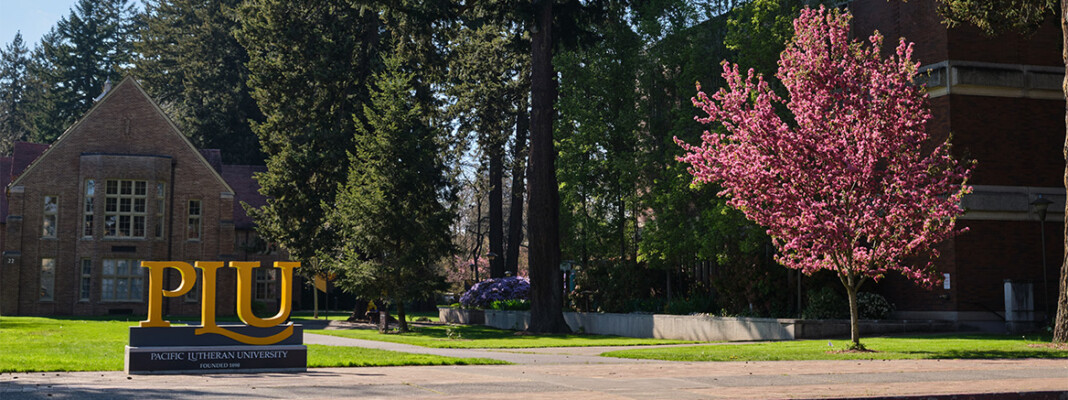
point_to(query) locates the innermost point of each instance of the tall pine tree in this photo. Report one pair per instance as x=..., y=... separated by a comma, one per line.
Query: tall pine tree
x=86, y=48
x=191, y=62
x=15, y=122
x=392, y=211
x=309, y=67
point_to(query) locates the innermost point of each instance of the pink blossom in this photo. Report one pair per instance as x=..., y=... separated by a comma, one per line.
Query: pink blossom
x=847, y=185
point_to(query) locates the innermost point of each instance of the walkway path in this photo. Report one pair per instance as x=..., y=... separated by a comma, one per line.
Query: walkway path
x=956, y=379
x=573, y=373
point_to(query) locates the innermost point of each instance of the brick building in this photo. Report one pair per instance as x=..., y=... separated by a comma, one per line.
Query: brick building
x=120, y=186
x=1001, y=99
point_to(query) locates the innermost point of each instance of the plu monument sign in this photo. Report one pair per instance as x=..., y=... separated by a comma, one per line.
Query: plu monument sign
x=261, y=344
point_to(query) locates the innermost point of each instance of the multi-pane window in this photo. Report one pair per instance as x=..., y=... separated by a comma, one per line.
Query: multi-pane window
x=51, y=213
x=160, y=203
x=86, y=282
x=193, y=228
x=48, y=279
x=266, y=282
x=194, y=294
x=90, y=190
x=121, y=280
x=124, y=208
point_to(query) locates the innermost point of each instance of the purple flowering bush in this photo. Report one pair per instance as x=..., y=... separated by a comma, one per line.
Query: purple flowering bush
x=485, y=293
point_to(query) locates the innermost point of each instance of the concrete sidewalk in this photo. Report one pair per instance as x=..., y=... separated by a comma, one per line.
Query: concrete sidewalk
x=573, y=373
x=958, y=379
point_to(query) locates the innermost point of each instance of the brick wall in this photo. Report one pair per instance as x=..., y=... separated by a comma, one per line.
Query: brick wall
x=123, y=137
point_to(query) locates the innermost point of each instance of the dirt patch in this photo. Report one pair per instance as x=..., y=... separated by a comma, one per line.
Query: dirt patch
x=852, y=351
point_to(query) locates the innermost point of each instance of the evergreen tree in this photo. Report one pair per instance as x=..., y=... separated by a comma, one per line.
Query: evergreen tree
x=392, y=211
x=15, y=123
x=191, y=62
x=73, y=61
x=309, y=68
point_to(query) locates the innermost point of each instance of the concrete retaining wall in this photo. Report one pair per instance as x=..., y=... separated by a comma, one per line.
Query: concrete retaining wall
x=661, y=326
x=461, y=316
x=821, y=329
x=709, y=328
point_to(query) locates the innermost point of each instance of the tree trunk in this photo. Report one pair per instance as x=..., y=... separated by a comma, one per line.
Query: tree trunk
x=515, y=213
x=496, y=211
x=402, y=322
x=1060, y=326
x=851, y=284
x=546, y=281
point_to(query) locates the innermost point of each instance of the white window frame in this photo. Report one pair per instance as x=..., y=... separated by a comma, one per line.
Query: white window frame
x=85, y=286
x=194, y=229
x=125, y=210
x=48, y=279
x=113, y=279
x=50, y=216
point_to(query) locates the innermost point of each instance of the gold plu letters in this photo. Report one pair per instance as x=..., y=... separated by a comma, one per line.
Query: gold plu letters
x=209, y=269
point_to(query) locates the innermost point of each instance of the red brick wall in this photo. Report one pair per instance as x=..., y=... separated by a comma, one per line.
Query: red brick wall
x=1017, y=141
x=124, y=137
x=999, y=250
x=919, y=22
x=916, y=21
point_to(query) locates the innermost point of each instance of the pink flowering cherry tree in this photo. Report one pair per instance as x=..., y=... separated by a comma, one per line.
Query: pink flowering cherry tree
x=853, y=184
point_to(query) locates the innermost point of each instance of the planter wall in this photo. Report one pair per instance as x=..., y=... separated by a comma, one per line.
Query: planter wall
x=661, y=326
x=709, y=328
x=461, y=316
x=833, y=328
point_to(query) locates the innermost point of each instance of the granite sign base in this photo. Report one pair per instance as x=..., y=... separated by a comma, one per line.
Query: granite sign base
x=178, y=350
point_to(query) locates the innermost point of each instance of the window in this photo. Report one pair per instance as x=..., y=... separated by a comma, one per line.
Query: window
x=160, y=203
x=266, y=281
x=51, y=211
x=193, y=230
x=48, y=279
x=87, y=284
x=90, y=190
x=194, y=293
x=121, y=280
x=124, y=208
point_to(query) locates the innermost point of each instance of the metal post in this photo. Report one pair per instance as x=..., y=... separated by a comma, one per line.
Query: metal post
x=1045, y=281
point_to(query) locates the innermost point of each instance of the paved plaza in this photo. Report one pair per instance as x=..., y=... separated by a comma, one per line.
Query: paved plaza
x=573, y=373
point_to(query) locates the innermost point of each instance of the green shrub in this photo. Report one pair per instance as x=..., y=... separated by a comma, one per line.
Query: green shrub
x=873, y=306
x=510, y=305
x=825, y=303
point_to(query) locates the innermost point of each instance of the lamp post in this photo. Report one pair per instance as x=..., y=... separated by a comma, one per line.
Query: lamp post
x=1041, y=205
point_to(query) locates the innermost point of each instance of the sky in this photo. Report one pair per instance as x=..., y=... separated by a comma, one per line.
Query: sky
x=32, y=17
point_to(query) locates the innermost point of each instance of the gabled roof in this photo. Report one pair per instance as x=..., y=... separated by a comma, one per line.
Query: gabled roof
x=11, y=167
x=22, y=156
x=214, y=157
x=108, y=97
x=246, y=190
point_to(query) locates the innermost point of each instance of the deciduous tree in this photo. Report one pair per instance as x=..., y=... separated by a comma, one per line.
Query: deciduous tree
x=850, y=185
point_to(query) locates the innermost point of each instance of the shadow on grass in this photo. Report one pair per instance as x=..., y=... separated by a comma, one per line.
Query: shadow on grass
x=989, y=354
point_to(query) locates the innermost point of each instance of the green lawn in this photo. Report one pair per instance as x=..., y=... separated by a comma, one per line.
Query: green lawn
x=335, y=315
x=885, y=348
x=97, y=344
x=480, y=337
